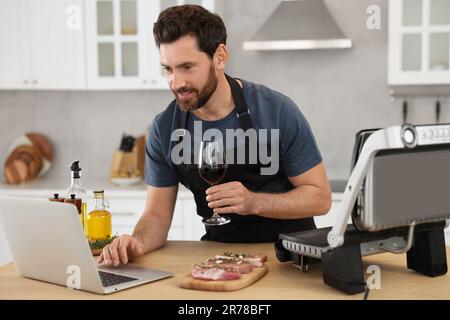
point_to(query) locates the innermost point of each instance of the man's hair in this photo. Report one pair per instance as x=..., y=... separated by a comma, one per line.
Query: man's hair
x=178, y=21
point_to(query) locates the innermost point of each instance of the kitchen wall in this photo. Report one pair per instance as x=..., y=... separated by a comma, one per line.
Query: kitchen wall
x=87, y=126
x=339, y=91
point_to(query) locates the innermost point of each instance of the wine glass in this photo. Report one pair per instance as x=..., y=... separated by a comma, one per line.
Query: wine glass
x=212, y=167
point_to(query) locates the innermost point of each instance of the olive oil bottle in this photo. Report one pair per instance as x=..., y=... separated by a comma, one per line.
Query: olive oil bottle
x=99, y=224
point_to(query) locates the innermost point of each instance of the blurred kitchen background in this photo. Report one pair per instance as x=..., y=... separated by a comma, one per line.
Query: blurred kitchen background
x=82, y=73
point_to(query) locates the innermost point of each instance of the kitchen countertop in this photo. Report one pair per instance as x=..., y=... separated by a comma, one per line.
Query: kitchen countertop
x=283, y=281
x=46, y=188
x=337, y=186
x=61, y=184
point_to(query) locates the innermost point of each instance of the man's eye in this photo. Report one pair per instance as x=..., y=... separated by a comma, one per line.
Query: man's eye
x=187, y=67
x=167, y=70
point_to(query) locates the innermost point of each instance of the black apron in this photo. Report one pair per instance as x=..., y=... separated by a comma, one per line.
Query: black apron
x=241, y=229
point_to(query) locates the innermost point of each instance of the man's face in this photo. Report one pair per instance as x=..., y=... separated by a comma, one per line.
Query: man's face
x=190, y=73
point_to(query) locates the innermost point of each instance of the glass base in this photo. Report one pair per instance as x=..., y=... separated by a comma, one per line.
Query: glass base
x=216, y=221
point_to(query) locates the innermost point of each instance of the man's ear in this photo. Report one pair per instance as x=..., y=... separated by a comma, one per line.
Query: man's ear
x=221, y=57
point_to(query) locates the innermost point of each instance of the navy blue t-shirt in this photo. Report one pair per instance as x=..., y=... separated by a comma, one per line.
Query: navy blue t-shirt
x=269, y=109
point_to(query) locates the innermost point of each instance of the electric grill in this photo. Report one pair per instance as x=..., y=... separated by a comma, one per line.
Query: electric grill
x=397, y=200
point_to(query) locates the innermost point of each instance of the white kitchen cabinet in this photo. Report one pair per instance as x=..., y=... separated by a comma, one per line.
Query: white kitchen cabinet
x=192, y=226
x=419, y=42
x=208, y=4
x=126, y=211
x=13, y=64
x=120, y=45
x=127, y=207
x=57, y=44
x=79, y=44
x=42, y=44
x=5, y=254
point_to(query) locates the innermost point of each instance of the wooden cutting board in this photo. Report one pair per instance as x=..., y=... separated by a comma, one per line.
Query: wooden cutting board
x=188, y=282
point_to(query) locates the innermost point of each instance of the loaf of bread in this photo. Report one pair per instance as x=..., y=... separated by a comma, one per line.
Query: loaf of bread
x=30, y=157
x=16, y=172
x=23, y=157
x=42, y=144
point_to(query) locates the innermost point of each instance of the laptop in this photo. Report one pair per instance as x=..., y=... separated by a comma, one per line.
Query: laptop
x=47, y=243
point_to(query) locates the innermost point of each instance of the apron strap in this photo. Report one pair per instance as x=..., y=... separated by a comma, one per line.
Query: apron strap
x=182, y=120
x=241, y=109
x=180, y=132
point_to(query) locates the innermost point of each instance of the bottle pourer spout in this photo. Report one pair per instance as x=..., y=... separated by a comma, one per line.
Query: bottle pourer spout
x=75, y=168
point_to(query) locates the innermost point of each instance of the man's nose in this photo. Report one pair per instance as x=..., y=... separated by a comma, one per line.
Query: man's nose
x=177, y=82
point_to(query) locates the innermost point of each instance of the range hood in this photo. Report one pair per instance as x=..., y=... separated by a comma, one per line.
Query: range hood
x=299, y=25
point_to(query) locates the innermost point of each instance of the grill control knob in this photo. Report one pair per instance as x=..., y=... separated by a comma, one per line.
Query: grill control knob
x=409, y=136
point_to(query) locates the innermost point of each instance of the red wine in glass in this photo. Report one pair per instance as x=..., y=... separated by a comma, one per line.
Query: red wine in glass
x=212, y=168
x=213, y=175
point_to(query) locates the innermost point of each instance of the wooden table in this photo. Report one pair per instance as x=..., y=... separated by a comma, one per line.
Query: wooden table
x=283, y=281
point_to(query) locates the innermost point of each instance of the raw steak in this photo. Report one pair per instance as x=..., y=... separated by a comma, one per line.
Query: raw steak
x=254, y=260
x=234, y=264
x=214, y=272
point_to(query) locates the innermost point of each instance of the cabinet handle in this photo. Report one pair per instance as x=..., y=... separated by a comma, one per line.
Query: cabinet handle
x=144, y=81
x=25, y=81
x=35, y=81
x=122, y=213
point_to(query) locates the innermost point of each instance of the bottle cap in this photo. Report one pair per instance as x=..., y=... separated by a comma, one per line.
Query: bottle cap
x=99, y=193
x=56, y=198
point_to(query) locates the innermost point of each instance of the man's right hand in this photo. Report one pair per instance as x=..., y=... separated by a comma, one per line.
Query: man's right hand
x=121, y=250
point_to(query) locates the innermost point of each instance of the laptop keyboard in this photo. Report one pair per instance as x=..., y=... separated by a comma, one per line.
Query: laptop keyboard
x=111, y=279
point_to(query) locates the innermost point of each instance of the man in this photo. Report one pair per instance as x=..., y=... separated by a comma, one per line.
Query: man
x=192, y=43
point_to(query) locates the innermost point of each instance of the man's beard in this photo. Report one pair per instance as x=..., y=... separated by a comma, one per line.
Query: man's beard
x=199, y=98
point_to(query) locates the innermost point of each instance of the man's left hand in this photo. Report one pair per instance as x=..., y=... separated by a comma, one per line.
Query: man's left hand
x=231, y=197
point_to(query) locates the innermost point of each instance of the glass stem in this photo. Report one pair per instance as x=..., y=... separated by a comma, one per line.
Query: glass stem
x=215, y=214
